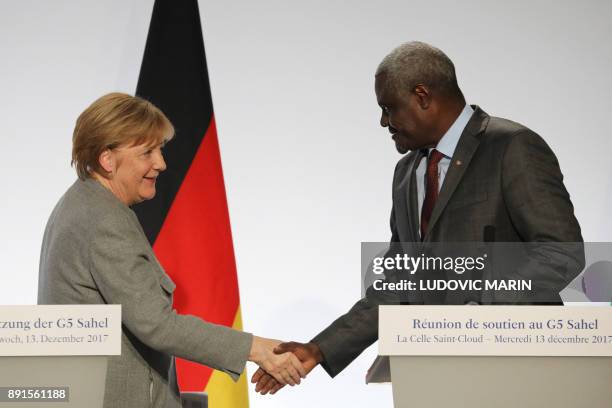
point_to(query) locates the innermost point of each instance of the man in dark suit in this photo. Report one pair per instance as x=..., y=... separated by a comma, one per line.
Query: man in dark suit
x=467, y=175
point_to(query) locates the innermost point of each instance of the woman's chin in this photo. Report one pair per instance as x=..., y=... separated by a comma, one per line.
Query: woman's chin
x=148, y=194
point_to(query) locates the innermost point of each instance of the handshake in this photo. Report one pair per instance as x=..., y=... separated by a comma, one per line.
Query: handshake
x=281, y=363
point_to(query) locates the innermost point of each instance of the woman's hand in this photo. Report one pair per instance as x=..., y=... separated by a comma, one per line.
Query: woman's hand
x=309, y=354
x=286, y=368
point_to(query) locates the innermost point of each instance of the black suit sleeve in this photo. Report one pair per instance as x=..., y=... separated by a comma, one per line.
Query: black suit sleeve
x=346, y=338
x=541, y=211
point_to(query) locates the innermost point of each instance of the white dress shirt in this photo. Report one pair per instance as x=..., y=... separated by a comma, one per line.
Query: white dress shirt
x=446, y=146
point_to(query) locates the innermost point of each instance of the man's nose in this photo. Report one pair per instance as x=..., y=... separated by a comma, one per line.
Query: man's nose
x=384, y=120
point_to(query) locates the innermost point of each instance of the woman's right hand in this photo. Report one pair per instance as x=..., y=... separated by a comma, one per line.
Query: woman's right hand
x=286, y=368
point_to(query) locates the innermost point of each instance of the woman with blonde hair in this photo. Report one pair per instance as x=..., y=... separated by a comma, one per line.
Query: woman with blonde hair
x=95, y=252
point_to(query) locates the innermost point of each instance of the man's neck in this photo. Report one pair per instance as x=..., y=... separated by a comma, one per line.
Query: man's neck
x=449, y=112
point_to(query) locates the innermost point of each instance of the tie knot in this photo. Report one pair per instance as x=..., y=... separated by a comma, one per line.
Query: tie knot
x=434, y=157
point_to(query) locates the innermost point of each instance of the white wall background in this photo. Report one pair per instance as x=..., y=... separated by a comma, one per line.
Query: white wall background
x=308, y=169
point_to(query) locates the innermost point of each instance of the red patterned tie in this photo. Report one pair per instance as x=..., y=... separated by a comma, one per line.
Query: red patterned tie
x=431, y=189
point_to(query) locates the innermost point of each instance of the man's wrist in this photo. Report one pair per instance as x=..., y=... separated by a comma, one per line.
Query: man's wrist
x=316, y=352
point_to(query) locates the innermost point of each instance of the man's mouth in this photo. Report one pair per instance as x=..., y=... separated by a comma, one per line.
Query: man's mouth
x=393, y=132
x=152, y=179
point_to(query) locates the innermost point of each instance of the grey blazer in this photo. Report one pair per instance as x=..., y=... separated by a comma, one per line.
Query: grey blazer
x=94, y=252
x=502, y=176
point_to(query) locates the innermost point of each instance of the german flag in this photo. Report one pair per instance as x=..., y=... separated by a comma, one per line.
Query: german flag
x=187, y=222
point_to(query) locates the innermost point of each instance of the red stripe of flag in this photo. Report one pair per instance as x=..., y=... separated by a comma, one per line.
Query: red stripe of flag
x=195, y=247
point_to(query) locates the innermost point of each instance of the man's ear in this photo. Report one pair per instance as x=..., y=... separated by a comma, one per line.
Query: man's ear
x=423, y=95
x=107, y=161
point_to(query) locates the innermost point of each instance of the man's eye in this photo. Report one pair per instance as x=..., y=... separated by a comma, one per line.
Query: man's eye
x=385, y=109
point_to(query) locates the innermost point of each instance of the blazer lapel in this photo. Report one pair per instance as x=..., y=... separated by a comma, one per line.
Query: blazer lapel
x=468, y=143
x=407, y=199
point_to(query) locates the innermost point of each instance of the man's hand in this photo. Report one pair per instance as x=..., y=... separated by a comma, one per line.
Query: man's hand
x=284, y=366
x=308, y=353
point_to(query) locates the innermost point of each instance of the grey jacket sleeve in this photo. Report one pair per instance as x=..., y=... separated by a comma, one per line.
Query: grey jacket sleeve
x=122, y=268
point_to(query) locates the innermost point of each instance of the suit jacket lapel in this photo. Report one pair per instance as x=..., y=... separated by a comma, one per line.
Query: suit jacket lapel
x=406, y=190
x=468, y=143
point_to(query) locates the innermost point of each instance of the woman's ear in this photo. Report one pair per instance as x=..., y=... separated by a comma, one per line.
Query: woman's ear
x=107, y=161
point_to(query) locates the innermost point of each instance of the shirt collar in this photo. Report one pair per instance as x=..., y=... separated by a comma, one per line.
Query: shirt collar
x=448, y=142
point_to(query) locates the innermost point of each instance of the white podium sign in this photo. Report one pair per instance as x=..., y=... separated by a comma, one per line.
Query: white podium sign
x=495, y=331
x=60, y=330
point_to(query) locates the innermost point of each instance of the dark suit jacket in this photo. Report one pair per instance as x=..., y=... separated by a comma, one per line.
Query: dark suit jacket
x=502, y=176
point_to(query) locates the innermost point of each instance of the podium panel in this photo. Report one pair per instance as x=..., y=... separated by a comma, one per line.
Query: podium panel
x=501, y=382
x=56, y=355
x=495, y=356
x=83, y=375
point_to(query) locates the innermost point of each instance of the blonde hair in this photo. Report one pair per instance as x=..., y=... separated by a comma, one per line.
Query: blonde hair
x=113, y=120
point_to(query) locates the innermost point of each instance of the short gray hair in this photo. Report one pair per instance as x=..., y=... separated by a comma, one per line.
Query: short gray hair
x=415, y=63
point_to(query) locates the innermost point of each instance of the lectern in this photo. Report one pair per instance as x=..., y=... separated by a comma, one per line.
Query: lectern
x=56, y=355
x=566, y=368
